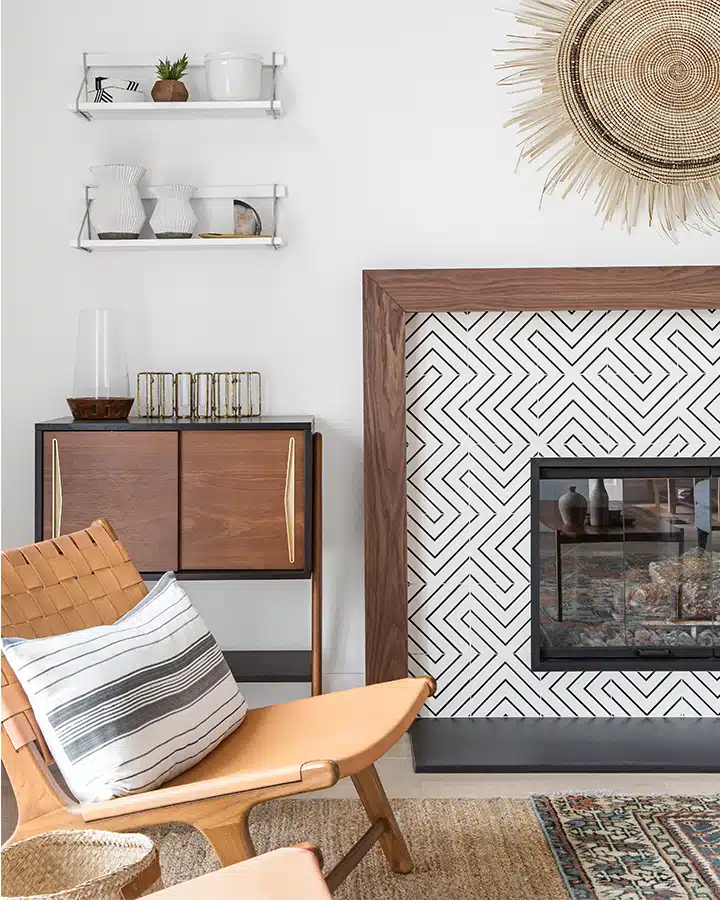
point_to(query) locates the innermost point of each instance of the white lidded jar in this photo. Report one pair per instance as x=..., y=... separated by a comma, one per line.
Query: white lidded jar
x=117, y=212
x=234, y=75
x=173, y=216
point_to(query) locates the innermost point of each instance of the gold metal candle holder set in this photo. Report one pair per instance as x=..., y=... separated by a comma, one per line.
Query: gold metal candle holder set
x=199, y=395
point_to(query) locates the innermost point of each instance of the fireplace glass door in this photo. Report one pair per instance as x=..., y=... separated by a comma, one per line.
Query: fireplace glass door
x=626, y=564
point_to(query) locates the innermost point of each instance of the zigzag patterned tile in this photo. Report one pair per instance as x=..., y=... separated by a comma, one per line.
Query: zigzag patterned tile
x=437, y=495
x=486, y=393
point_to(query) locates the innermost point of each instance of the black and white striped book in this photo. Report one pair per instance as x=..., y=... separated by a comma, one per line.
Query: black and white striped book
x=128, y=706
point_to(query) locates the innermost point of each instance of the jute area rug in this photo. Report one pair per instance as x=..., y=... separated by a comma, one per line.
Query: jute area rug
x=464, y=849
x=582, y=846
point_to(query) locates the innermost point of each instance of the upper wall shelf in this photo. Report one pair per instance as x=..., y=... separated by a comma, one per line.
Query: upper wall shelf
x=188, y=110
x=140, y=67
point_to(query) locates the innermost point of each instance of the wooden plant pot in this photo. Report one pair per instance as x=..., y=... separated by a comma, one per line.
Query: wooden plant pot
x=167, y=91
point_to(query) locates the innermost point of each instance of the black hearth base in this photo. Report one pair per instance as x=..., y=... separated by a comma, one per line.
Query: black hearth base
x=566, y=745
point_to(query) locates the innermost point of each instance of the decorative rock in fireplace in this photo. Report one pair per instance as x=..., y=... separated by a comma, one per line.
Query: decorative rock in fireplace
x=640, y=588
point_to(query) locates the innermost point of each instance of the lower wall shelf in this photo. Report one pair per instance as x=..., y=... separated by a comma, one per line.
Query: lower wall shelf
x=181, y=244
x=281, y=666
x=208, y=222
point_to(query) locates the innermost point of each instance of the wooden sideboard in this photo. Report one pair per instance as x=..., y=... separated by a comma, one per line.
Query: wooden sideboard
x=207, y=498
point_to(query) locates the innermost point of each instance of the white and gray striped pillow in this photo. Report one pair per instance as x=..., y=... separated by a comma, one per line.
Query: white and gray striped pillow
x=126, y=707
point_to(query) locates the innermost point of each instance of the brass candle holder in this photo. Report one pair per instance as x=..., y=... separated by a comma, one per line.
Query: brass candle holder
x=199, y=395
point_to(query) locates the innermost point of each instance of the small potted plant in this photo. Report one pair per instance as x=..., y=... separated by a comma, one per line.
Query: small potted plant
x=168, y=87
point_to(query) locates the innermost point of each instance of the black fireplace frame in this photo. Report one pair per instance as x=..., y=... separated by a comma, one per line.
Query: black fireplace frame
x=611, y=658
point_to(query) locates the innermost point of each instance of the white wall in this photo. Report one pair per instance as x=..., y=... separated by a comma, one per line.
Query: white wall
x=395, y=156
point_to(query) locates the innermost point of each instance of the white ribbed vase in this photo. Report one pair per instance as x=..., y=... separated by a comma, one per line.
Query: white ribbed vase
x=173, y=216
x=117, y=213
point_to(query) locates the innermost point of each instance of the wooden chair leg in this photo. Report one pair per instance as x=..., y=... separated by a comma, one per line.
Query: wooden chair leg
x=232, y=843
x=377, y=806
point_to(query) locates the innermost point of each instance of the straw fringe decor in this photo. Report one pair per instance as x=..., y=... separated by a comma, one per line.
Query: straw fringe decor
x=625, y=104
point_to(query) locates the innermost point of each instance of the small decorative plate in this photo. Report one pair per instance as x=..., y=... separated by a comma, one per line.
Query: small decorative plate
x=246, y=219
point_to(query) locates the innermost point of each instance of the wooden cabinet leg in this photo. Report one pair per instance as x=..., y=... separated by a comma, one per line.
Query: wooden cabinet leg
x=317, y=563
x=232, y=843
x=377, y=806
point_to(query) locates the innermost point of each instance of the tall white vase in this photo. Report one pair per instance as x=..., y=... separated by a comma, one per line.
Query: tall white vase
x=117, y=213
x=173, y=216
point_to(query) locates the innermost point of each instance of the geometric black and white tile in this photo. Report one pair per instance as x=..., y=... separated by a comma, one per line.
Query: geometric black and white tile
x=485, y=393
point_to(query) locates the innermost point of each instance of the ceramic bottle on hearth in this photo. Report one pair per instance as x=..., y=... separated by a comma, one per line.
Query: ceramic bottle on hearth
x=572, y=507
x=599, y=504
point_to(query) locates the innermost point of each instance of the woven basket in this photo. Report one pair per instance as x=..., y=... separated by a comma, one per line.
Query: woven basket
x=80, y=865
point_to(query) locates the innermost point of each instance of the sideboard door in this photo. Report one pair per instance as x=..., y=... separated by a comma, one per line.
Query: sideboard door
x=129, y=478
x=242, y=500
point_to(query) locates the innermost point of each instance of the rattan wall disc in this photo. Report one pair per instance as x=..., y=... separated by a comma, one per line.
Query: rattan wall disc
x=627, y=102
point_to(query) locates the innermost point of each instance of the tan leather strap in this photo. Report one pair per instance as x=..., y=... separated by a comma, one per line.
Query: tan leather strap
x=14, y=700
x=18, y=720
x=20, y=730
x=142, y=882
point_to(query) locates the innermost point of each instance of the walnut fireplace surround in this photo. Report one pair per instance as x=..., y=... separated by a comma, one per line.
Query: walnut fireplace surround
x=388, y=297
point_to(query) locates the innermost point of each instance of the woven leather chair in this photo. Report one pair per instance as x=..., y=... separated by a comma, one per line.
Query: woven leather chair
x=87, y=578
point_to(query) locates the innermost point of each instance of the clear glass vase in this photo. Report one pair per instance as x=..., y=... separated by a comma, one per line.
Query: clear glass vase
x=101, y=385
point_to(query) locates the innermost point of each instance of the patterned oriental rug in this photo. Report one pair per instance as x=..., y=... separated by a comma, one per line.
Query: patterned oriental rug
x=610, y=847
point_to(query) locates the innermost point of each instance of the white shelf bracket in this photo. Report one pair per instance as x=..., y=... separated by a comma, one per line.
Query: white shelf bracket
x=85, y=220
x=83, y=90
x=274, y=217
x=273, y=96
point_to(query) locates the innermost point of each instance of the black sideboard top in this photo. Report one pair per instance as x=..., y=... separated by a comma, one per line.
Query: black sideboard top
x=138, y=423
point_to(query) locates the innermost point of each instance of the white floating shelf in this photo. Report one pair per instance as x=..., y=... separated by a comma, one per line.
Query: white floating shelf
x=187, y=110
x=215, y=191
x=272, y=193
x=145, y=60
x=181, y=244
x=131, y=62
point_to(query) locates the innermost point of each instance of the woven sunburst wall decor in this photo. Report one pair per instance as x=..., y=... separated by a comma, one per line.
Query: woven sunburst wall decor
x=625, y=104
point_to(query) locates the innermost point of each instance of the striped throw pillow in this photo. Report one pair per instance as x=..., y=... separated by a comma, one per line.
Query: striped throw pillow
x=126, y=707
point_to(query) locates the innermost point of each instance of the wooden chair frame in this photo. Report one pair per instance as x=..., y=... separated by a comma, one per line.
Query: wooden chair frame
x=87, y=578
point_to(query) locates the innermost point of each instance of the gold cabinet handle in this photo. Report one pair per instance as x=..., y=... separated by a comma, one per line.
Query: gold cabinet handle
x=290, y=500
x=57, y=496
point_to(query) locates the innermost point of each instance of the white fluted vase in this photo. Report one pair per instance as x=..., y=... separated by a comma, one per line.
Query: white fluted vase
x=173, y=216
x=117, y=212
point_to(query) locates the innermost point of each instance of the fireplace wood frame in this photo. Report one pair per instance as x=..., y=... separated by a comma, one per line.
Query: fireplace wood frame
x=388, y=297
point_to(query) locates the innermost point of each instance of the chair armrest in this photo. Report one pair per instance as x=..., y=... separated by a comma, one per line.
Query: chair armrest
x=265, y=784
